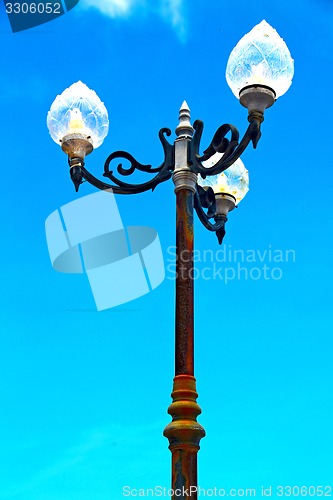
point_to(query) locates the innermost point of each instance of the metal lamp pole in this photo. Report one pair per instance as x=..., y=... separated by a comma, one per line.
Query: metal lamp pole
x=184, y=432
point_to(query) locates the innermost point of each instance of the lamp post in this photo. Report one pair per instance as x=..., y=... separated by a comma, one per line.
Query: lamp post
x=259, y=70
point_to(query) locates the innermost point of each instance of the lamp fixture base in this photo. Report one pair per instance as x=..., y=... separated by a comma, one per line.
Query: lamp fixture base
x=257, y=98
x=224, y=204
x=77, y=145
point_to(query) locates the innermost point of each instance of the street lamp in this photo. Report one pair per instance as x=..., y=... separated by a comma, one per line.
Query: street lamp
x=259, y=70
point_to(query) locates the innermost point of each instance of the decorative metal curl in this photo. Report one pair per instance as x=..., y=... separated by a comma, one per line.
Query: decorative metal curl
x=164, y=171
x=231, y=148
x=205, y=198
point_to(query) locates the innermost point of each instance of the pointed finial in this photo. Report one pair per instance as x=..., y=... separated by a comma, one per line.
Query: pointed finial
x=184, y=128
x=184, y=107
x=76, y=176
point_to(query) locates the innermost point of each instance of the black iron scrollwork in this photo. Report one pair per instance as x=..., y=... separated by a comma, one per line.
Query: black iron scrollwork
x=205, y=198
x=231, y=148
x=163, y=172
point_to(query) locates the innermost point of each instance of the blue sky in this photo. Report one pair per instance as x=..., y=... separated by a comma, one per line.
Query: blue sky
x=83, y=394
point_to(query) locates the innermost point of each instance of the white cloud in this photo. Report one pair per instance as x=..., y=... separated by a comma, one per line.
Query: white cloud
x=112, y=8
x=169, y=10
x=172, y=11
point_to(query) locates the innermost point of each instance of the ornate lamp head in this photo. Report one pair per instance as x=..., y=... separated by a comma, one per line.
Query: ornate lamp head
x=229, y=186
x=78, y=120
x=260, y=68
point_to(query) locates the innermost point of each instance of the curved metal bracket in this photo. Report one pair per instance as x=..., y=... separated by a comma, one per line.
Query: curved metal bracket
x=206, y=199
x=231, y=148
x=163, y=172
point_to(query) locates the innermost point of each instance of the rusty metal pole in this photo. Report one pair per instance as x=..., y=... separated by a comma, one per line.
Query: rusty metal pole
x=184, y=432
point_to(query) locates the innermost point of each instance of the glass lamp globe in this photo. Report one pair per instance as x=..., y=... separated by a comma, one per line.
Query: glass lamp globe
x=234, y=181
x=79, y=111
x=261, y=57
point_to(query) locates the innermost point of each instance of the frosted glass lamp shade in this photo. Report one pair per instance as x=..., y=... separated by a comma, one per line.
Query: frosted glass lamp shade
x=261, y=57
x=78, y=110
x=233, y=181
